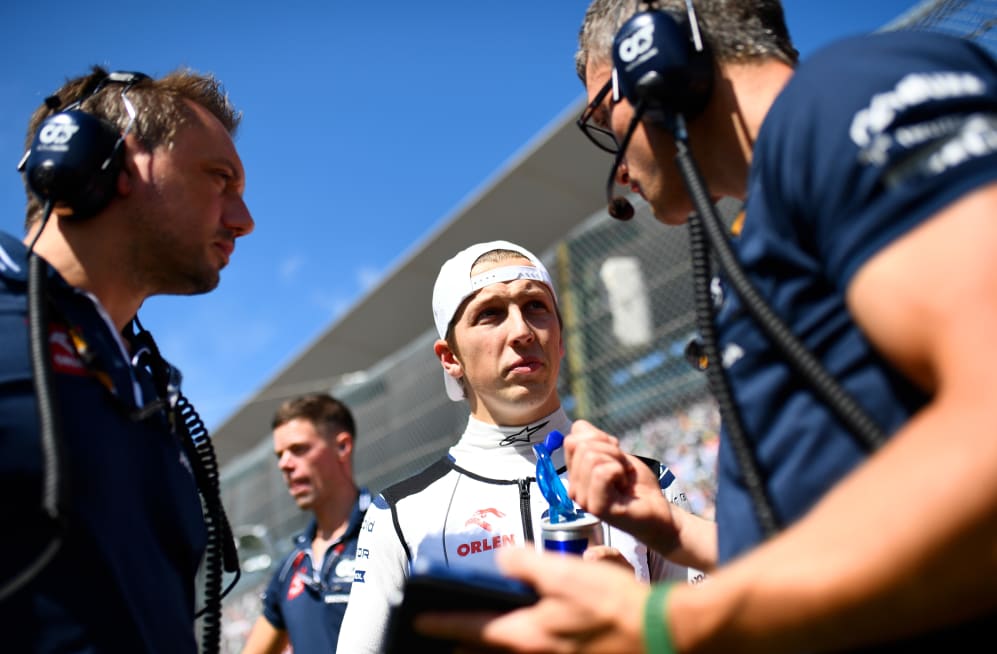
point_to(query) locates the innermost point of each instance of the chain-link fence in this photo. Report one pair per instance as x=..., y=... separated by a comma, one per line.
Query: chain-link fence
x=626, y=299
x=974, y=19
x=626, y=302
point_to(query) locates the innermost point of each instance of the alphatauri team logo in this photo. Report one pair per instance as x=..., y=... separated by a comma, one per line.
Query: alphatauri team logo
x=636, y=44
x=57, y=133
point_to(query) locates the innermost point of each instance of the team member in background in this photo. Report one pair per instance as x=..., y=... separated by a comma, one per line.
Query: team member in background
x=135, y=190
x=870, y=174
x=304, y=603
x=500, y=346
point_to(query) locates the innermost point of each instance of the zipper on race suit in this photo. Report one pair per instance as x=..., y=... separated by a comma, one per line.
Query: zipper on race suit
x=524, y=508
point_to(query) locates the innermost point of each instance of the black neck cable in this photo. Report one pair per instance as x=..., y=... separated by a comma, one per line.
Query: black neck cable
x=55, y=495
x=705, y=220
x=221, y=550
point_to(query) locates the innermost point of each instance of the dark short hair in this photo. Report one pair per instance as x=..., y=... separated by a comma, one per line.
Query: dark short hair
x=328, y=414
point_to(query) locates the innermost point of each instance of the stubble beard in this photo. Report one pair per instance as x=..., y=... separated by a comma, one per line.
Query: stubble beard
x=169, y=266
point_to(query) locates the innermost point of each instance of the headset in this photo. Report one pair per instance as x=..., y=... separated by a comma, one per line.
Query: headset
x=73, y=160
x=75, y=157
x=662, y=63
x=665, y=69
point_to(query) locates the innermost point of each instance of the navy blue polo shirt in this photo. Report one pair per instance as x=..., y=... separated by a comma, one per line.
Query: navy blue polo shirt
x=307, y=603
x=870, y=137
x=123, y=578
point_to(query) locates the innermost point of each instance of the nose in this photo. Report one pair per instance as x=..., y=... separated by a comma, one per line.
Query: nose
x=237, y=217
x=622, y=173
x=284, y=462
x=520, y=330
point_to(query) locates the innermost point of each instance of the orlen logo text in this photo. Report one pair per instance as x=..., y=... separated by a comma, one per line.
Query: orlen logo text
x=486, y=544
x=482, y=518
x=58, y=131
x=637, y=44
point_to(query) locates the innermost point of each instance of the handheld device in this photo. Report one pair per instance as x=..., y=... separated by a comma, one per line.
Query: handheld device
x=435, y=587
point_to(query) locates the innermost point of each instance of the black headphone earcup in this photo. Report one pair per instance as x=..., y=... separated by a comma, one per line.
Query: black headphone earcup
x=657, y=62
x=74, y=161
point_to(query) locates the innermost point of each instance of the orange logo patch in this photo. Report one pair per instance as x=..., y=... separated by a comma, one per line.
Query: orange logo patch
x=64, y=356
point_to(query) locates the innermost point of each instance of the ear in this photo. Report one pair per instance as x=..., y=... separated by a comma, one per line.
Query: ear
x=451, y=365
x=344, y=444
x=136, y=164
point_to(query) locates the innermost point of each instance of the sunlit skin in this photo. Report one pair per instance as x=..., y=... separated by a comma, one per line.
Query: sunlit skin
x=194, y=208
x=908, y=560
x=721, y=138
x=308, y=462
x=318, y=471
x=170, y=229
x=510, y=348
x=509, y=345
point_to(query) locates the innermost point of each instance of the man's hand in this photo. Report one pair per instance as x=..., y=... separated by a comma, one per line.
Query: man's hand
x=607, y=554
x=617, y=487
x=584, y=606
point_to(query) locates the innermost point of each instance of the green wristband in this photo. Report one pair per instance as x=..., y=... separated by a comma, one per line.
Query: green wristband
x=657, y=639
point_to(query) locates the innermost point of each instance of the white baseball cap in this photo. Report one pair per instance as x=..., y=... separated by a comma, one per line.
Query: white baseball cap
x=454, y=284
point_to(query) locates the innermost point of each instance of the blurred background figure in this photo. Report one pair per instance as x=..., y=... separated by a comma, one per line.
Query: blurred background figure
x=304, y=604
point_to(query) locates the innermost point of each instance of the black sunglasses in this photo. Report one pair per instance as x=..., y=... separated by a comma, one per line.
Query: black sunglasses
x=603, y=138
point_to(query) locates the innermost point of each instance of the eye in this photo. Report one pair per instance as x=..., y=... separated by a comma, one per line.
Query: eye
x=486, y=314
x=298, y=450
x=601, y=118
x=603, y=115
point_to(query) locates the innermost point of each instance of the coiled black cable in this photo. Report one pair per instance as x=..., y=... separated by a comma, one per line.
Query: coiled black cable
x=750, y=470
x=54, y=477
x=855, y=419
x=221, y=550
x=798, y=357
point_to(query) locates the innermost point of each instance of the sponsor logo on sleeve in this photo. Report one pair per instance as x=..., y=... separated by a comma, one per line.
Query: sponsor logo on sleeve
x=873, y=129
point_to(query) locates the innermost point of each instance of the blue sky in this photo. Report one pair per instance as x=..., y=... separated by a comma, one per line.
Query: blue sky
x=366, y=125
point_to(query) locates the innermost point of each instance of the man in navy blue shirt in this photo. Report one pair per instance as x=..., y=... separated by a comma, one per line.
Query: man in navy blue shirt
x=313, y=438
x=869, y=175
x=135, y=190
